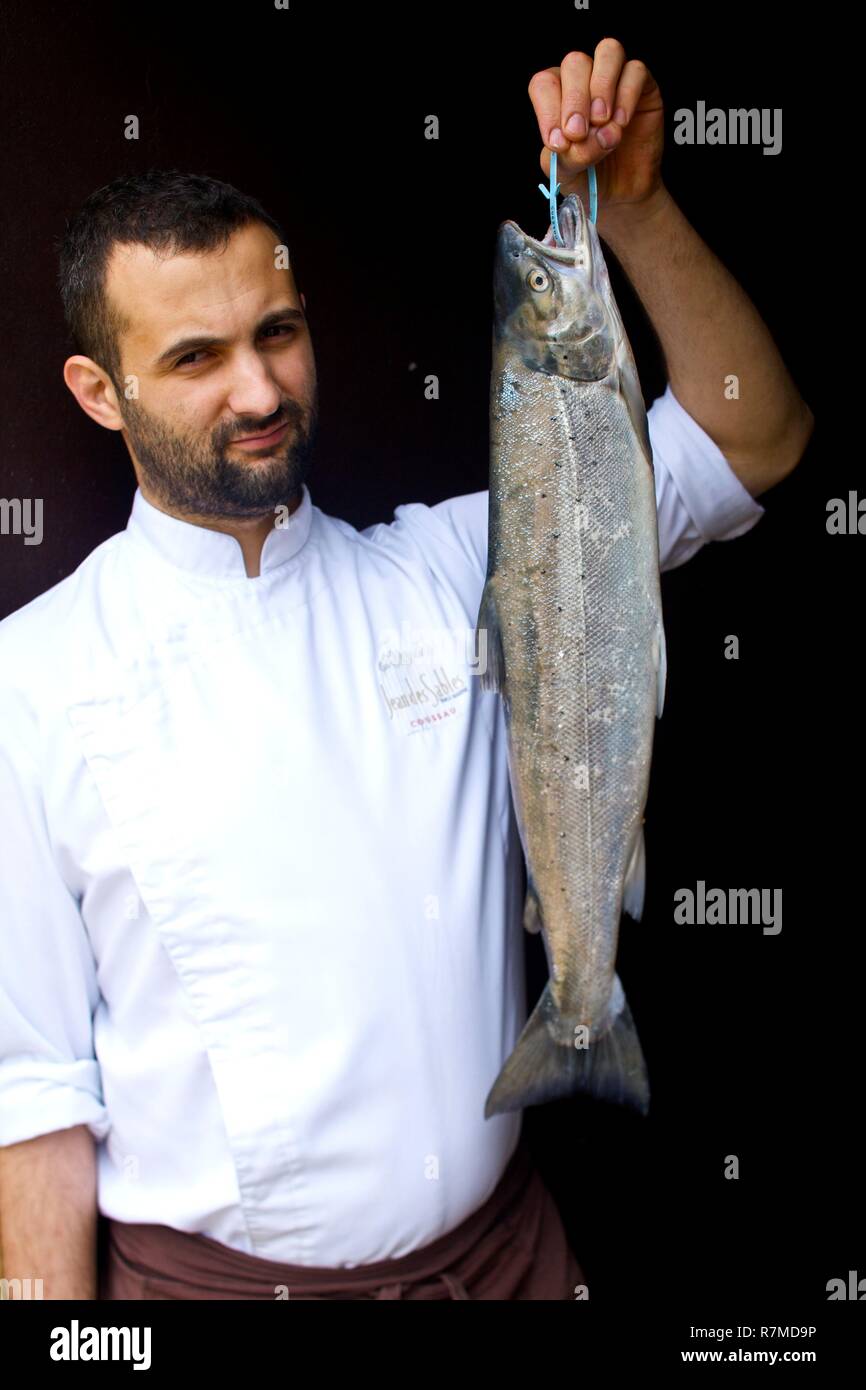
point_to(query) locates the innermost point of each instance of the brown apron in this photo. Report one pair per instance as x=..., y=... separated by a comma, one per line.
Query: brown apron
x=512, y=1247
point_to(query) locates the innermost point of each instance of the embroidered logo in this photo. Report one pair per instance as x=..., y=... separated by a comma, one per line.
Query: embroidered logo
x=423, y=674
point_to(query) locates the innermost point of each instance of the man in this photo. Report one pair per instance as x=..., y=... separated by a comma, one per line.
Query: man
x=260, y=877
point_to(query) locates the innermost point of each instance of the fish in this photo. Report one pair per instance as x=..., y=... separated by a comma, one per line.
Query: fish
x=572, y=613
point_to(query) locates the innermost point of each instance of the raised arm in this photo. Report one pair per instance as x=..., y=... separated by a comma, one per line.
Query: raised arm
x=708, y=327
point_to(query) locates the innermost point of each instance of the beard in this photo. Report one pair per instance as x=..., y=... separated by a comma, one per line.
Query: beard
x=194, y=477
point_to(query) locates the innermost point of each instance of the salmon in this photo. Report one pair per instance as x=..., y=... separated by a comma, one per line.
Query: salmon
x=572, y=613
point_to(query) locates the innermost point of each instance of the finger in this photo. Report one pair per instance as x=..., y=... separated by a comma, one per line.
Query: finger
x=582, y=153
x=628, y=92
x=574, y=75
x=606, y=68
x=545, y=94
x=607, y=137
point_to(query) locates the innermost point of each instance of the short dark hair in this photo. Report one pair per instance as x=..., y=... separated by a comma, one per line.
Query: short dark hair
x=165, y=209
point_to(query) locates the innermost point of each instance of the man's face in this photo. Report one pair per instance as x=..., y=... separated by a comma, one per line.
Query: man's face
x=256, y=371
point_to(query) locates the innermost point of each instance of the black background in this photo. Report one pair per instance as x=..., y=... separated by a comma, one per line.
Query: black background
x=752, y=1041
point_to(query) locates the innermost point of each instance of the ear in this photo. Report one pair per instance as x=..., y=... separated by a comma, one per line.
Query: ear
x=94, y=391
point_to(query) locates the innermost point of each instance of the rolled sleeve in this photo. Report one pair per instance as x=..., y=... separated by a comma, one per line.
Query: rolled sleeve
x=49, y=1076
x=39, y=1095
x=699, y=497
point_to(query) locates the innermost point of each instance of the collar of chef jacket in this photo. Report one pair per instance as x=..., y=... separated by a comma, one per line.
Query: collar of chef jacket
x=202, y=551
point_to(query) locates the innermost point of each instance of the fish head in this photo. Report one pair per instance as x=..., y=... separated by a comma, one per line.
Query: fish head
x=551, y=301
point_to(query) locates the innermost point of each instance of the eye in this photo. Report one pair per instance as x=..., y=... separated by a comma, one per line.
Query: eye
x=538, y=279
x=187, y=359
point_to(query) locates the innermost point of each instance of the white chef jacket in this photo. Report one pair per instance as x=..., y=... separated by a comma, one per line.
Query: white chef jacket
x=260, y=907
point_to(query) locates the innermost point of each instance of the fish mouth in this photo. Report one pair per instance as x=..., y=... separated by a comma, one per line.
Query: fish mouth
x=569, y=216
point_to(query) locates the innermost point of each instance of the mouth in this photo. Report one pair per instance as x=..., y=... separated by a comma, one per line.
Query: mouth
x=263, y=441
x=569, y=215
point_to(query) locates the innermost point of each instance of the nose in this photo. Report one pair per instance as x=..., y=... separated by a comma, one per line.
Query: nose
x=511, y=242
x=254, y=394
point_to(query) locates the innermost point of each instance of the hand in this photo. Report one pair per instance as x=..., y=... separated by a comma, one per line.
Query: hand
x=625, y=141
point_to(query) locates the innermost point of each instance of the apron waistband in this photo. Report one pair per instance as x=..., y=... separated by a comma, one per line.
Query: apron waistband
x=170, y=1263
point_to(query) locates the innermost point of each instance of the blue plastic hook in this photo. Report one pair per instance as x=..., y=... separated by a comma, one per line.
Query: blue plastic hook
x=551, y=192
x=593, y=193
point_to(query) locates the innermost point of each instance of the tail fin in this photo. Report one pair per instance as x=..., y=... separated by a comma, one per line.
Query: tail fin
x=540, y=1069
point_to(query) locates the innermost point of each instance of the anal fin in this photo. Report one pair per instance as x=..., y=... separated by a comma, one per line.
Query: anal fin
x=634, y=884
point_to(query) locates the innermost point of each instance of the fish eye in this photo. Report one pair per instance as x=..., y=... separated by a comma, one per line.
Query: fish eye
x=538, y=279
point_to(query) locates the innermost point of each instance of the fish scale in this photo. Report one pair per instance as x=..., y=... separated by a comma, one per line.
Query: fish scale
x=572, y=609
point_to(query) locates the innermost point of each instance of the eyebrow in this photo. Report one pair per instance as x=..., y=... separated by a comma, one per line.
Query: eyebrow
x=205, y=340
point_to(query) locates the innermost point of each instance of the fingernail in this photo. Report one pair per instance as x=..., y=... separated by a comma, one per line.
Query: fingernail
x=606, y=137
x=557, y=139
x=599, y=108
x=576, y=126
x=620, y=117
